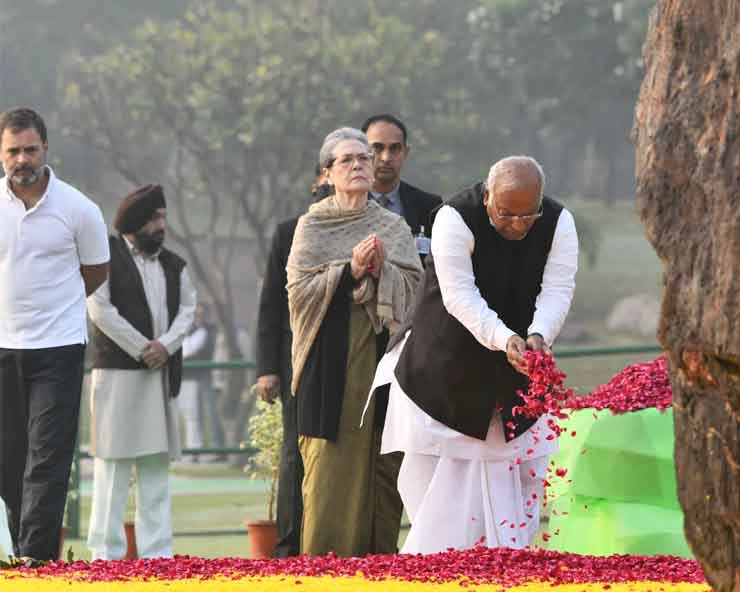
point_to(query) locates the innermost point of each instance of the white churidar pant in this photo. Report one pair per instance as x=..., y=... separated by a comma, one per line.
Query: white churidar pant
x=153, y=519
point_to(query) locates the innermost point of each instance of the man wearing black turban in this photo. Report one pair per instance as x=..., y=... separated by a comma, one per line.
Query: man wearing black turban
x=141, y=316
x=138, y=208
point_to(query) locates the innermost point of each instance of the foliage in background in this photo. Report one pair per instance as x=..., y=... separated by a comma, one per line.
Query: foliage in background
x=230, y=102
x=227, y=109
x=553, y=77
x=39, y=37
x=227, y=105
x=564, y=76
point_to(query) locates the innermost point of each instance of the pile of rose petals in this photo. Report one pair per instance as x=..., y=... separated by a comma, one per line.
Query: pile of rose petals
x=640, y=386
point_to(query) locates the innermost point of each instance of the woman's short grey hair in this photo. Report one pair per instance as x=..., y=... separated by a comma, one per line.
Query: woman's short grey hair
x=512, y=162
x=326, y=154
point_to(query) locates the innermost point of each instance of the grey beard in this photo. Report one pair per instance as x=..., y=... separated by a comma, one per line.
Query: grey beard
x=27, y=178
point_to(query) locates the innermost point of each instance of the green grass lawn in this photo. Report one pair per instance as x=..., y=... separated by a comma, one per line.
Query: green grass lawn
x=202, y=546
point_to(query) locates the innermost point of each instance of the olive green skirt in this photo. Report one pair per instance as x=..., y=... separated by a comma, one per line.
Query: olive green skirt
x=351, y=504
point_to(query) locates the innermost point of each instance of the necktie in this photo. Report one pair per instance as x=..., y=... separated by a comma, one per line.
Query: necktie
x=384, y=199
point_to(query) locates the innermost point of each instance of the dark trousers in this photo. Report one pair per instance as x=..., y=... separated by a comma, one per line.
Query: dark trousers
x=39, y=411
x=290, y=497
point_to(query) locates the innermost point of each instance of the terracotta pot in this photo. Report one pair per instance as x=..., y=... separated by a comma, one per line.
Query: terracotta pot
x=131, y=552
x=263, y=538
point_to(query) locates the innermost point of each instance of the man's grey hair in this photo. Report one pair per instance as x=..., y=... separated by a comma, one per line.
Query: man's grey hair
x=326, y=154
x=505, y=165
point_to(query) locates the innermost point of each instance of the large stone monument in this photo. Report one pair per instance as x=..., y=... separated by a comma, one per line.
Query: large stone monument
x=687, y=137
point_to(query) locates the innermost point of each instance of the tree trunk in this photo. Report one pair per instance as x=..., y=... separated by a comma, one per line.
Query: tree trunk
x=688, y=183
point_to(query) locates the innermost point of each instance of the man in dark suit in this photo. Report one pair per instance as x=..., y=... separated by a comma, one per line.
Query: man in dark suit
x=274, y=374
x=388, y=138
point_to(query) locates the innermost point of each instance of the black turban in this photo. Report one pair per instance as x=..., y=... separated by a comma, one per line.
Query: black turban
x=138, y=207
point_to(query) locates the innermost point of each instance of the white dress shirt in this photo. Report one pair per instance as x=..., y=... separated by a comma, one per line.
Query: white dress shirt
x=452, y=247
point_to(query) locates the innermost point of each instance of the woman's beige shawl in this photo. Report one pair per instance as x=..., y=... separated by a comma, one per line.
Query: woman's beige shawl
x=322, y=246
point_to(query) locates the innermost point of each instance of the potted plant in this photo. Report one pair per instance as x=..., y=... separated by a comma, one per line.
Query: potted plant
x=266, y=436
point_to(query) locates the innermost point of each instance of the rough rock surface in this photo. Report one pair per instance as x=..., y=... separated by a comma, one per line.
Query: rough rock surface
x=688, y=177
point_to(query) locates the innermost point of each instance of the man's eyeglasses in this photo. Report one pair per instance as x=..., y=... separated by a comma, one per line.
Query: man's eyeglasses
x=345, y=161
x=527, y=218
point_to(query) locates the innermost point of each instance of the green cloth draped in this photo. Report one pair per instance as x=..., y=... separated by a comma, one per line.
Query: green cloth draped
x=622, y=495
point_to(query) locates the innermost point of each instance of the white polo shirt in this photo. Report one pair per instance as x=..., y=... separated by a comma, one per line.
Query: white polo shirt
x=42, y=293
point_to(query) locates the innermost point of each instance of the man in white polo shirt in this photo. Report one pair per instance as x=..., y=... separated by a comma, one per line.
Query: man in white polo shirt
x=53, y=252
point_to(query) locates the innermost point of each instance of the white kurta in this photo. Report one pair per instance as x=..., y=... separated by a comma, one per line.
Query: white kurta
x=132, y=412
x=456, y=489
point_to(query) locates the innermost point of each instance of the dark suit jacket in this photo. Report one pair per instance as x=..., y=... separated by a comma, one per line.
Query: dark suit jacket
x=273, y=325
x=417, y=207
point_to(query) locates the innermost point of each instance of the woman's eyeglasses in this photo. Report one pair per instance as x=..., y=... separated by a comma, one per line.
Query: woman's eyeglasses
x=346, y=161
